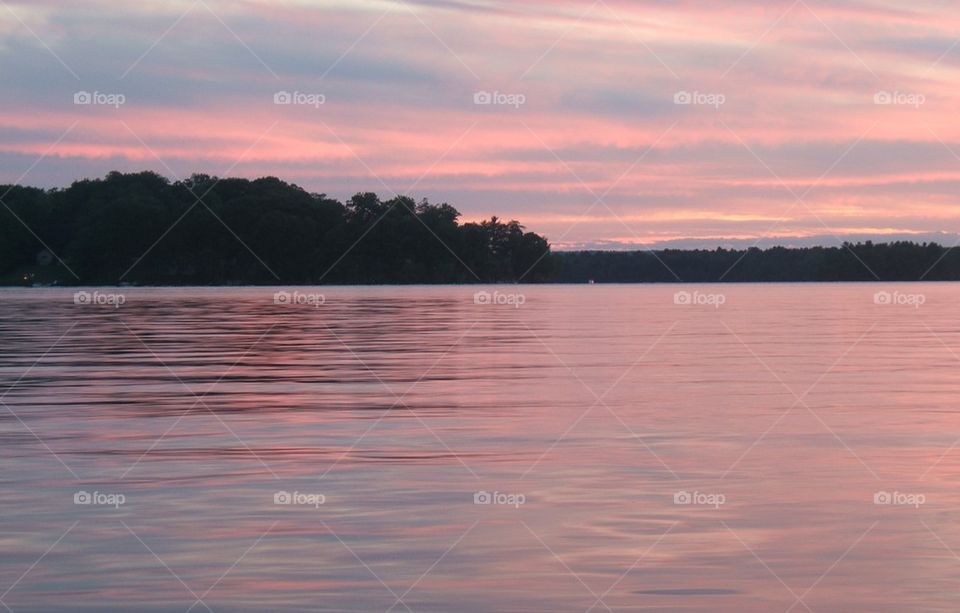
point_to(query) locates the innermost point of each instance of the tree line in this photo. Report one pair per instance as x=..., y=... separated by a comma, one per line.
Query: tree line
x=142, y=229
x=866, y=261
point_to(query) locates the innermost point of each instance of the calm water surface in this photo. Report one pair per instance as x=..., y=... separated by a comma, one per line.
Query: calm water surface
x=637, y=454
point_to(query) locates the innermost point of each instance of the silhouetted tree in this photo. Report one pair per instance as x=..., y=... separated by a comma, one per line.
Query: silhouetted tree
x=141, y=228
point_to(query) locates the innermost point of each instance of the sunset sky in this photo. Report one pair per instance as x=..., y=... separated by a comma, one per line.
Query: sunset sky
x=809, y=122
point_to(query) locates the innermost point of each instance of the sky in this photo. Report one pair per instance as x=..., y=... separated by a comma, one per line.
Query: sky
x=603, y=124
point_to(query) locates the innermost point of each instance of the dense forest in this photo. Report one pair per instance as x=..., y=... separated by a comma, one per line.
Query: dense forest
x=142, y=229
x=899, y=261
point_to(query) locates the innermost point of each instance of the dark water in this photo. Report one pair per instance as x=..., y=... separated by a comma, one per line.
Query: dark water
x=638, y=454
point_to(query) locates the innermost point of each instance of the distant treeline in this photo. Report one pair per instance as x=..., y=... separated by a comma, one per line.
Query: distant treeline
x=142, y=229
x=145, y=230
x=899, y=261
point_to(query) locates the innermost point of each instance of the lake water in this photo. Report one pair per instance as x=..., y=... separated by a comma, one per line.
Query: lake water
x=567, y=448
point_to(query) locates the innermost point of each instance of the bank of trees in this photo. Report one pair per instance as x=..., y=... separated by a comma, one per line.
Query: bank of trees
x=898, y=261
x=143, y=229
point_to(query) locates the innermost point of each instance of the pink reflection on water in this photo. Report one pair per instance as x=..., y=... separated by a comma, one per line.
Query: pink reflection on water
x=795, y=404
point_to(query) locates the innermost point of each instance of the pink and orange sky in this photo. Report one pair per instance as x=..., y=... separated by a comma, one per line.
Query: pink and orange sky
x=808, y=122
